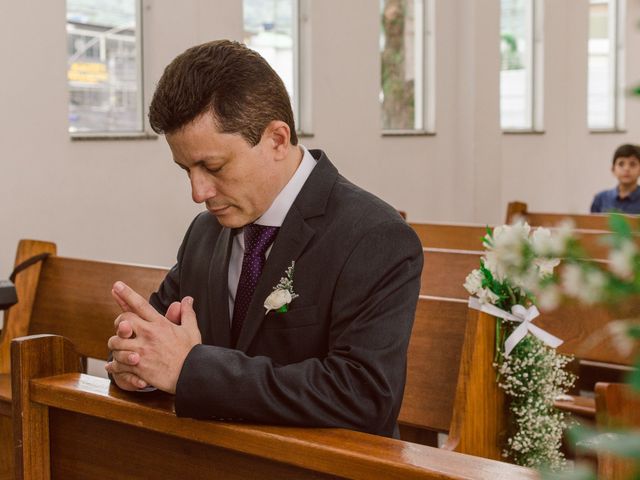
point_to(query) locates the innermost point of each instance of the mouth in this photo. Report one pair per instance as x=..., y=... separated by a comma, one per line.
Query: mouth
x=218, y=210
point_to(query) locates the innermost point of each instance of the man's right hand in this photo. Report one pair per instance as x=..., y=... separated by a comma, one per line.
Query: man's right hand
x=127, y=380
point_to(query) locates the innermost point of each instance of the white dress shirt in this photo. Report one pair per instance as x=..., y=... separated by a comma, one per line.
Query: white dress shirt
x=273, y=217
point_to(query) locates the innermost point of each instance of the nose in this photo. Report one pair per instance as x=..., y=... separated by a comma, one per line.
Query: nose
x=202, y=188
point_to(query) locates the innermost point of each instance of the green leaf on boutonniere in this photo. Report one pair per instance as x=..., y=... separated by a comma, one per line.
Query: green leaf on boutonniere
x=283, y=309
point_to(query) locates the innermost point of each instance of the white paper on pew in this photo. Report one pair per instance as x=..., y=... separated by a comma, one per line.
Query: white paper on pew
x=519, y=314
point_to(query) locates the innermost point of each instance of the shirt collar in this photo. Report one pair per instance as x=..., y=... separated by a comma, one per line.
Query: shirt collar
x=274, y=216
x=633, y=196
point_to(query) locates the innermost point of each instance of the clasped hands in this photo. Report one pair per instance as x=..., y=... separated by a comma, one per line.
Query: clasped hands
x=148, y=348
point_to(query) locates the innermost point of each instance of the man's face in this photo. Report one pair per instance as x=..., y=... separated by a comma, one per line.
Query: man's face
x=236, y=181
x=627, y=170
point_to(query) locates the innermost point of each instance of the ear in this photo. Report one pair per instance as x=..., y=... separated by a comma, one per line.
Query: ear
x=278, y=138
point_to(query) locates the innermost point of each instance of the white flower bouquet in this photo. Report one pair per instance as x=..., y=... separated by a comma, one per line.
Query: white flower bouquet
x=517, y=263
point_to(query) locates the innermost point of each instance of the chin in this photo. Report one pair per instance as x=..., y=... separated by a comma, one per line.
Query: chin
x=231, y=221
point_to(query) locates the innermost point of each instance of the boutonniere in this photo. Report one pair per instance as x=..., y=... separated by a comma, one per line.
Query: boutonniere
x=282, y=294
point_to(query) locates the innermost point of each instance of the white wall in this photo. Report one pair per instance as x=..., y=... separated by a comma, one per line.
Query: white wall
x=126, y=201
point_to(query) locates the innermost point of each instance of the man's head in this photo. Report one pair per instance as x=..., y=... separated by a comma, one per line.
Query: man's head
x=626, y=165
x=227, y=118
x=231, y=82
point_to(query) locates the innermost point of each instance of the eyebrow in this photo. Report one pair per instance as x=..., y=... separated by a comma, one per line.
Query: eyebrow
x=199, y=163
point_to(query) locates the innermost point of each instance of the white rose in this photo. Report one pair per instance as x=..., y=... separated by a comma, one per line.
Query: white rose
x=277, y=299
x=487, y=296
x=473, y=282
x=546, y=265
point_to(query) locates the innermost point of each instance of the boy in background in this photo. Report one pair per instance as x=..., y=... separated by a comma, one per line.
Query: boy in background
x=625, y=197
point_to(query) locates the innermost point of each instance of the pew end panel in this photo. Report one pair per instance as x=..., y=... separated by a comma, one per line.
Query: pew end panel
x=480, y=418
x=16, y=318
x=35, y=357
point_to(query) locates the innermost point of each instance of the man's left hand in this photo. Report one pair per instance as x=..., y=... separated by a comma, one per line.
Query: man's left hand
x=160, y=344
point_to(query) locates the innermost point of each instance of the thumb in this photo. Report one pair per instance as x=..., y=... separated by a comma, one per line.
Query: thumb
x=188, y=315
x=173, y=313
x=123, y=305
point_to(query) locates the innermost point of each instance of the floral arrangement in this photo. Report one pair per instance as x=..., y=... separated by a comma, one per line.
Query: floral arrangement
x=283, y=293
x=527, y=260
x=516, y=262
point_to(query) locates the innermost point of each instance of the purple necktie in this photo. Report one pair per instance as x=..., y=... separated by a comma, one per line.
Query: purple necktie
x=257, y=239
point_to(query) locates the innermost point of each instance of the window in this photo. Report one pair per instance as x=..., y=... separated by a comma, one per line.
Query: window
x=104, y=67
x=606, y=50
x=406, y=54
x=278, y=30
x=521, y=65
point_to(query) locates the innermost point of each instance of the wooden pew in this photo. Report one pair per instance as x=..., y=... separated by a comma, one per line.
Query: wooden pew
x=592, y=221
x=63, y=296
x=70, y=425
x=73, y=300
x=617, y=407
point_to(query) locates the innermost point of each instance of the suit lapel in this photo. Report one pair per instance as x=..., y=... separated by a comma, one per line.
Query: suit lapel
x=293, y=237
x=217, y=324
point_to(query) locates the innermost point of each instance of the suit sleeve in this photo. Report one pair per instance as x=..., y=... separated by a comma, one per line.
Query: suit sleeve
x=359, y=384
x=169, y=290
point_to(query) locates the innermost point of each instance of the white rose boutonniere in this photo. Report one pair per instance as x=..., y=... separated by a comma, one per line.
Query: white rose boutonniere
x=282, y=294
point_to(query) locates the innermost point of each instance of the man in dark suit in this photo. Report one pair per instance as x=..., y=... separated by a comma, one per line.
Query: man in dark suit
x=293, y=297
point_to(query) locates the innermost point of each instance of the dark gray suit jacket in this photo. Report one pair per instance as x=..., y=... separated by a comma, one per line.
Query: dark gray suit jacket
x=337, y=358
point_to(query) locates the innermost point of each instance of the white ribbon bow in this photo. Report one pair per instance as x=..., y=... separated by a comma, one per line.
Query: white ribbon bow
x=519, y=314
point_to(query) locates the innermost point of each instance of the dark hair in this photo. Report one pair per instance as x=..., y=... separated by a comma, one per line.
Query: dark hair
x=241, y=90
x=626, y=150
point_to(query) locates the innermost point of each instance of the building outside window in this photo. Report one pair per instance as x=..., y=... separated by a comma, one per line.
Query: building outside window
x=521, y=65
x=406, y=54
x=605, y=101
x=104, y=67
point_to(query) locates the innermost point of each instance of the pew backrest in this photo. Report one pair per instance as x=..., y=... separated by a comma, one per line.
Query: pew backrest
x=596, y=221
x=71, y=297
x=435, y=349
x=457, y=236
x=445, y=271
x=589, y=333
